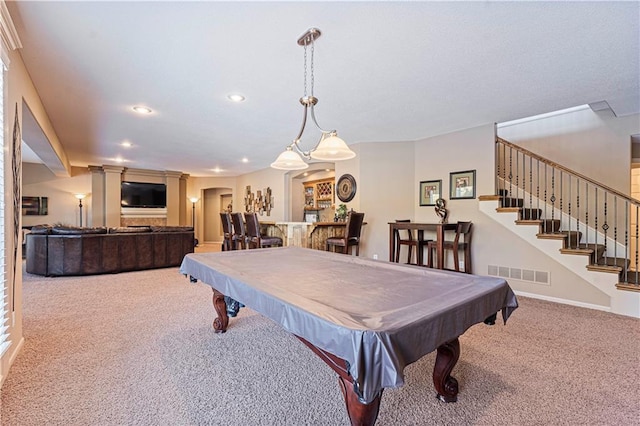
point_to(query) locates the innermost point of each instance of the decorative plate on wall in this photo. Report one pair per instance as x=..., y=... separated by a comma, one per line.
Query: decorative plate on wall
x=346, y=188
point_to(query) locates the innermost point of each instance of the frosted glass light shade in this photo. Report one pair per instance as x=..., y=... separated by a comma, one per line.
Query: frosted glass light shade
x=332, y=149
x=289, y=160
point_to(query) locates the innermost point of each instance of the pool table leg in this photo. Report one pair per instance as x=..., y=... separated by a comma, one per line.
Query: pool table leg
x=359, y=414
x=222, y=321
x=446, y=358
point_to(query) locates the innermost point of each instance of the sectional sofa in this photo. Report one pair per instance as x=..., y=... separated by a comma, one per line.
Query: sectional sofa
x=63, y=250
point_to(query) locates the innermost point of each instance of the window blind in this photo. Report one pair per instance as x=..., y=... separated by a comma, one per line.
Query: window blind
x=4, y=293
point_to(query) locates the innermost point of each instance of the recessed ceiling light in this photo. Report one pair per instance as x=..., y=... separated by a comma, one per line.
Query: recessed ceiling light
x=216, y=170
x=245, y=160
x=119, y=160
x=142, y=110
x=236, y=98
x=126, y=144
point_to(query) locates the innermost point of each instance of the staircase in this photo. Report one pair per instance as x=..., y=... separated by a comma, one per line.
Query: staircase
x=586, y=226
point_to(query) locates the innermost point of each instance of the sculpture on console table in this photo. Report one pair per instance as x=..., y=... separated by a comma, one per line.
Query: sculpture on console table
x=441, y=211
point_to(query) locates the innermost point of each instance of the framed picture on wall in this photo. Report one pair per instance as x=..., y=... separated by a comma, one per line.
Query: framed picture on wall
x=430, y=191
x=462, y=185
x=35, y=206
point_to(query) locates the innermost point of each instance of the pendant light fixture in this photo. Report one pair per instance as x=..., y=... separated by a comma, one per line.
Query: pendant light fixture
x=330, y=147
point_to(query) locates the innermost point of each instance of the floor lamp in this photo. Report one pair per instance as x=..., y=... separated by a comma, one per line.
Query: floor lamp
x=80, y=197
x=194, y=200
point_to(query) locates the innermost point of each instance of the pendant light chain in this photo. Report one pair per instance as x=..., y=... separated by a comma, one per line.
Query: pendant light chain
x=312, y=77
x=329, y=147
x=305, y=71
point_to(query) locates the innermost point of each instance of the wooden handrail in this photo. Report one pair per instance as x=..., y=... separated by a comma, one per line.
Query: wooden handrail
x=564, y=169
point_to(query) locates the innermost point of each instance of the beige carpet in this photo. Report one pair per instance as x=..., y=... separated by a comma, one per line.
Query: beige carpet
x=138, y=349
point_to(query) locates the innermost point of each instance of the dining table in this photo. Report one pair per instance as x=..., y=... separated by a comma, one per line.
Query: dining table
x=437, y=228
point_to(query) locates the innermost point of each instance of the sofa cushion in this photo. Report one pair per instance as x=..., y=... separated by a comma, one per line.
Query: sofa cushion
x=73, y=230
x=41, y=229
x=129, y=229
x=171, y=228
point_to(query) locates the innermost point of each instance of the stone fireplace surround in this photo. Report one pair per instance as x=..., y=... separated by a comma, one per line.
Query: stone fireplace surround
x=143, y=217
x=105, y=199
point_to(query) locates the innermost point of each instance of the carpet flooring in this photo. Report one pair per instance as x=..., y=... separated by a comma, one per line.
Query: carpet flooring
x=138, y=349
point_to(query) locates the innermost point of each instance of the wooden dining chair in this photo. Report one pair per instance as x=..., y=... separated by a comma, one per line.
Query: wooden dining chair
x=228, y=242
x=239, y=233
x=464, y=230
x=254, y=237
x=351, y=236
x=409, y=241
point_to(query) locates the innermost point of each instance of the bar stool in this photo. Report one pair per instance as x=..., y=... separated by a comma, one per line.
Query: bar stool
x=351, y=236
x=239, y=233
x=463, y=229
x=228, y=242
x=254, y=238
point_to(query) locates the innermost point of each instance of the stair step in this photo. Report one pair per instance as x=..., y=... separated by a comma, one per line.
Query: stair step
x=598, y=248
x=594, y=251
x=537, y=222
x=572, y=239
x=511, y=202
x=550, y=225
x=628, y=285
x=503, y=192
x=631, y=276
x=508, y=209
x=530, y=214
x=619, y=262
x=551, y=235
x=604, y=268
x=576, y=251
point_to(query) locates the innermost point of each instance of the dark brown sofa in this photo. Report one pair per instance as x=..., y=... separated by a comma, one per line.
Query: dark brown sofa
x=57, y=251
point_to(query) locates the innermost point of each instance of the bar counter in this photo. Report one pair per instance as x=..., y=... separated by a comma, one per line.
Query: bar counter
x=304, y=234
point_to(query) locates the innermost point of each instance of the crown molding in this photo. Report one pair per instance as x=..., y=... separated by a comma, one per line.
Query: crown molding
x=8, y=31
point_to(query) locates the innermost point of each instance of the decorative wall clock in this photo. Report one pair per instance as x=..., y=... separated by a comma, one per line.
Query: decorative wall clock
x=346, y=188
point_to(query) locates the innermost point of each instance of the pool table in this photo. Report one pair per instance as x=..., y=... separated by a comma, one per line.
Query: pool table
x=366, y=319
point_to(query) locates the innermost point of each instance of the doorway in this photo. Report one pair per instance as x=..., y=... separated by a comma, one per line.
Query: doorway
x=215, y=200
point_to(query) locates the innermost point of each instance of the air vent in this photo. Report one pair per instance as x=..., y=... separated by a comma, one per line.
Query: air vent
x=528, y=275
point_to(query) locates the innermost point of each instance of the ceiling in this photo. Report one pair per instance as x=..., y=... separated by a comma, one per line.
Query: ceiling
x=384, y=72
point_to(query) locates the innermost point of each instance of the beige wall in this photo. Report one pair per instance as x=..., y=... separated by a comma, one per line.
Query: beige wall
x=384, y=193
x=213, y=205
x=19, y=88
x=597, y=145
x=39, y=181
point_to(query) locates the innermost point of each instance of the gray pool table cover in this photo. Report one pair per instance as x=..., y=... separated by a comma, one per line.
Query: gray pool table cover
x=377, y=316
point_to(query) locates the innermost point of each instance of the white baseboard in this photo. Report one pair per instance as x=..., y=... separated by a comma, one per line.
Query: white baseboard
x=14, y=355
x=563, y=301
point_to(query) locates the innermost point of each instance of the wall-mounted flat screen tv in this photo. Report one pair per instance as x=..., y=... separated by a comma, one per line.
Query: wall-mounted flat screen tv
x=140, y=194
